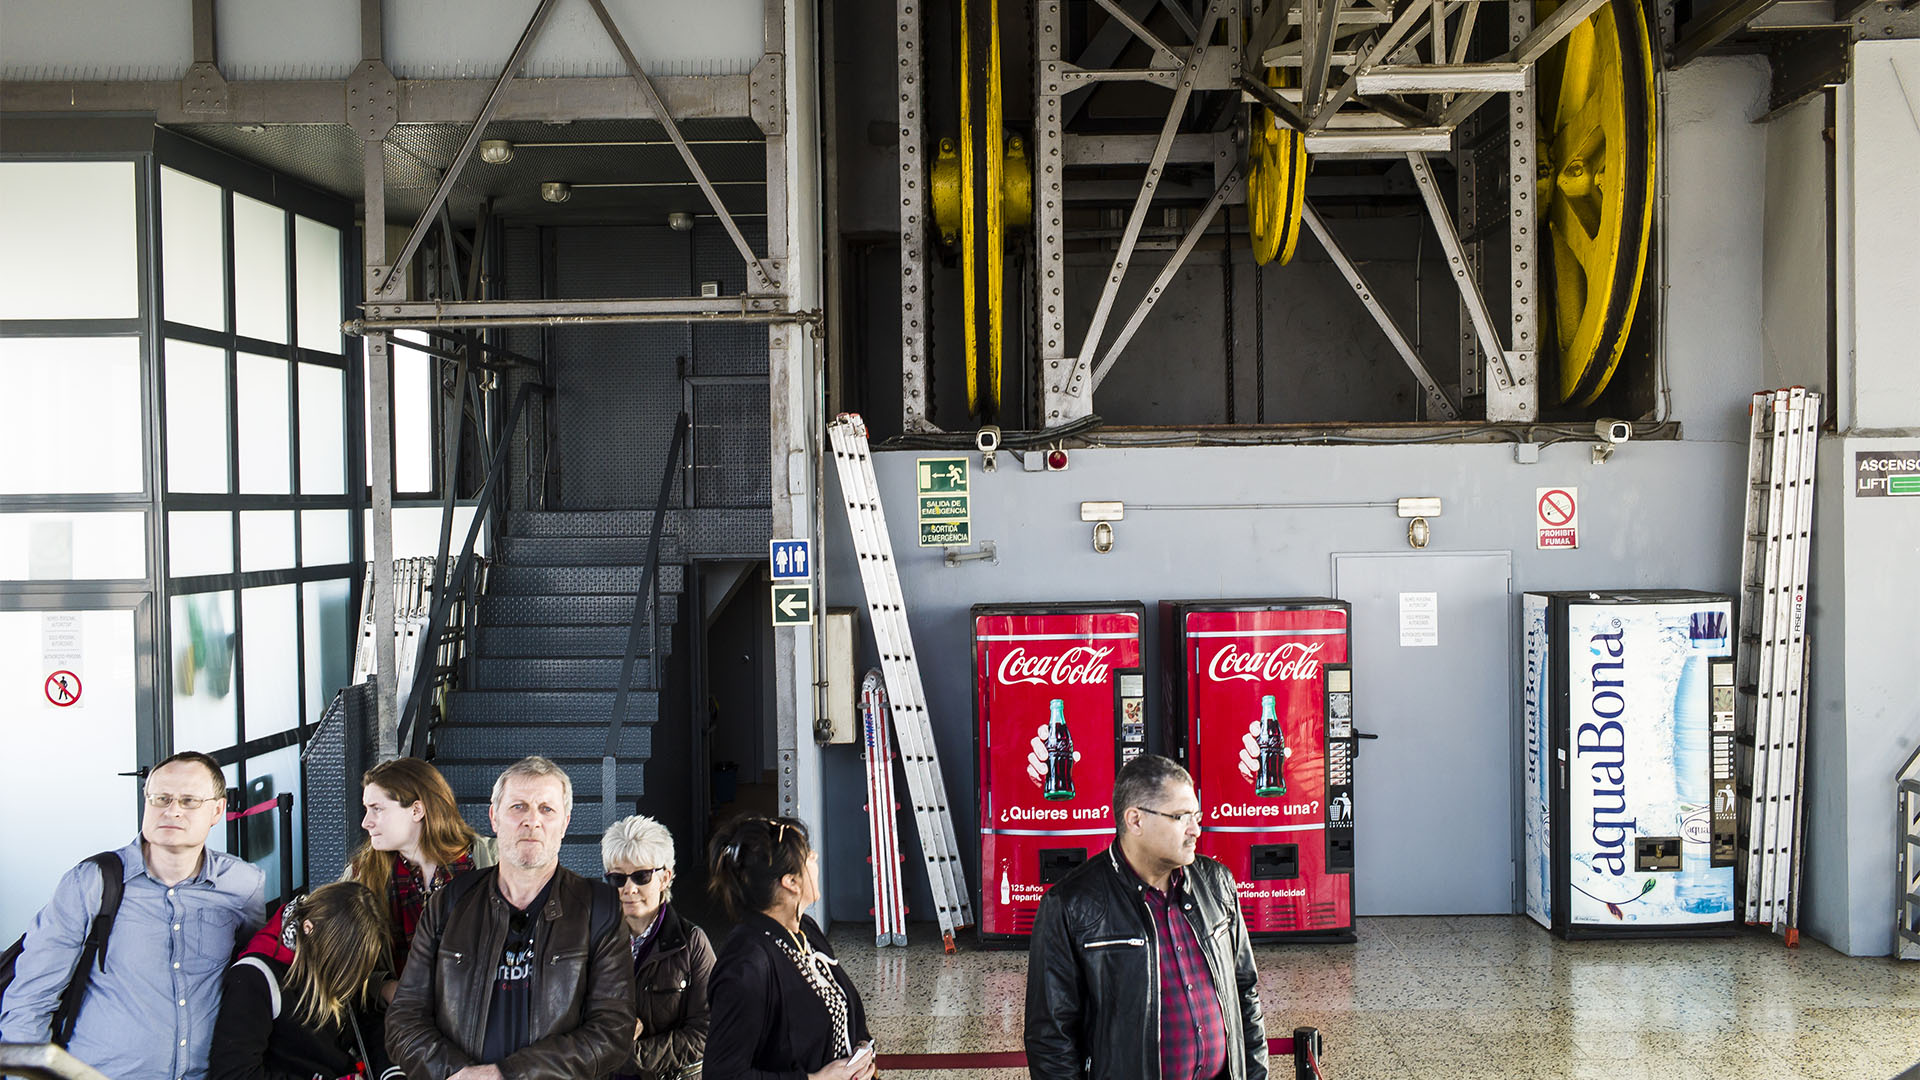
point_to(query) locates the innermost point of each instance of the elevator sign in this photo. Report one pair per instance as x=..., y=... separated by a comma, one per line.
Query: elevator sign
x=1878, y=474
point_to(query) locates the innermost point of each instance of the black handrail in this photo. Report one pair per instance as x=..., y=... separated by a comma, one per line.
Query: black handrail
x=445, y=590
x=610, y=760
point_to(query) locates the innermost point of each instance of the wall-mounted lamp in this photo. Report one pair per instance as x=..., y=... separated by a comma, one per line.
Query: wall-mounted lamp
x=1103, y=515
x=556, y=191
x=680, y=221
x=496, y=151
x=1419, y=508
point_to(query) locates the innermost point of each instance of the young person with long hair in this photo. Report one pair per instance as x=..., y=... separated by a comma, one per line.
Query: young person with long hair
x=782, y=1006
x=416, y=842
x=317, y=1015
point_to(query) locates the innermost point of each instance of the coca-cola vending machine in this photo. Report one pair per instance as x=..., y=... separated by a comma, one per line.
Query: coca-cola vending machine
x=1059, y=703
x=1260, y=711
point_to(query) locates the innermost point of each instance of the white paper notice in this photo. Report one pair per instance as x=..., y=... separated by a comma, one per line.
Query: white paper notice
x=1419, y=619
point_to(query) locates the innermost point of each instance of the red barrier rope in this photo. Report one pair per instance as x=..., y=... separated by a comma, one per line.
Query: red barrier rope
x=258, y=808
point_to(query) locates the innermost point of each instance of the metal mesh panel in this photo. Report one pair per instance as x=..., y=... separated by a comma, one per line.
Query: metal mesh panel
x=511, y=742
x=732, y=445
x=336, y=756
x=516, y=709
x=618, y=384
x=727, y=350
x=520, y=266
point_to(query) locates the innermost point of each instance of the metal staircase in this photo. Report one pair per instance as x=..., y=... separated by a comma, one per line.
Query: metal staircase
x=551, y=631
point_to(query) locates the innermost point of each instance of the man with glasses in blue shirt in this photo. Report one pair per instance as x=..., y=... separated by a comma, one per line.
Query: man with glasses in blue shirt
x=1140, y=967
x=149, y=1010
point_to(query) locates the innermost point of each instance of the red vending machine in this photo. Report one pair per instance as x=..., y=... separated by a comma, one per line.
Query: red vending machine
x=1059, y=702
x=1260, y=710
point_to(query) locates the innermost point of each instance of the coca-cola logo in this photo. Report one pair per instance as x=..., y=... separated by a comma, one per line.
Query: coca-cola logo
x=1082, y=665
x=1290, y=661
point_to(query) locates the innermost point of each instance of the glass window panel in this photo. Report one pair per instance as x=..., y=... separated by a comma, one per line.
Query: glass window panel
x=217, y=839
x=259, y=269
x=193, y=250
x=416, y=531
x=204, y=713
x=58, y=389
x=79, y=221
x=269, y=651
x=316, y=280
x=265, y=458
x=61, y=761
x=412, y=417
x=323, y=435
x=199, y=542
x=70, y=547
x=196, y=418
x=266, y=539
x=323, y=537
x=267, y=776
x=328, y=617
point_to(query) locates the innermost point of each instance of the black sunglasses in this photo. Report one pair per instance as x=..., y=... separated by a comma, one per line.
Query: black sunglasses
x=640, y=877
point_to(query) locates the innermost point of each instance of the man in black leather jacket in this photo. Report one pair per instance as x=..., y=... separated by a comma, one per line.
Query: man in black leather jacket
x=521, y=972
x=1140, y=967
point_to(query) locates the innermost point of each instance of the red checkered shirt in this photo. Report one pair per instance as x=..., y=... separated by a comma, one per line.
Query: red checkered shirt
x=1193, y=1032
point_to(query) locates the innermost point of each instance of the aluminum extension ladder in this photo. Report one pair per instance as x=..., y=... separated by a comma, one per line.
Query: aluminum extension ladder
x=412, y=607
x=1773, y=655
x=883, y=826
x=912, y=725
x=1906, y=929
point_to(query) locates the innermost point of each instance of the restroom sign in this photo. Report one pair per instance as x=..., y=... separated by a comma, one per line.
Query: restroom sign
x=63, y=689
x=1556, y=516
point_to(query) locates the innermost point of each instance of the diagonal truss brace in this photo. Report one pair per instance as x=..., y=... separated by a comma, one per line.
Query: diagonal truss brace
x=431, y=211
x=763, y=273
x=1437, y=401
x=1458, y=266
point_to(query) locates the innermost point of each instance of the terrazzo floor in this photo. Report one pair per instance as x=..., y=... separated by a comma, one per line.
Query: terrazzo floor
x=1473, y=997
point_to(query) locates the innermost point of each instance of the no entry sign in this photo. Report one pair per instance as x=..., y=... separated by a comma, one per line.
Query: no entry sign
x=63, y=688
x=1556, y=517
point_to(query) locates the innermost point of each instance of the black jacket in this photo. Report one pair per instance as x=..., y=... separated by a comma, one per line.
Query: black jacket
x=259, y=1035
x=768, y=1023
x=670, y=988
x=581, y=1017
x=1093, y=974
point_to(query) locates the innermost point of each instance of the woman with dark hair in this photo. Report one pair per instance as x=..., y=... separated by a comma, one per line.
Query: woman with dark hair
x=672, y=960
x=318, y=1015
x=782, y=1007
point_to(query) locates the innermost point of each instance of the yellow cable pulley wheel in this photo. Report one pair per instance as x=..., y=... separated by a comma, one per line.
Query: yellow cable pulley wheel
x=1596, y=188
x=1276, y=183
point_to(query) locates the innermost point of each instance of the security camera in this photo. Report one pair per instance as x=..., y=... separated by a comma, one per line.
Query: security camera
x=1613, y=431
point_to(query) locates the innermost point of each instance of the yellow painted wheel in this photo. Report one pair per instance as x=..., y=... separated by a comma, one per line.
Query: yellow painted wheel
x=1596, y=188
x=1276, y=183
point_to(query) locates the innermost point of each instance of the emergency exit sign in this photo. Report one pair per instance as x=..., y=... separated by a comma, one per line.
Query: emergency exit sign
x=940, y=486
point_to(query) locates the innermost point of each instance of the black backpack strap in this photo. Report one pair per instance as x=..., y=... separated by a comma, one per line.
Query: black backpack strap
x=93, y=952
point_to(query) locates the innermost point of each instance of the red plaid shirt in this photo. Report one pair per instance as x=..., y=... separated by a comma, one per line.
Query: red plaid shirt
x=1193, y=1032
x=407, y=897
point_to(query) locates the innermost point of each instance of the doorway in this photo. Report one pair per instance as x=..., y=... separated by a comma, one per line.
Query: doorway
x=1432, y=674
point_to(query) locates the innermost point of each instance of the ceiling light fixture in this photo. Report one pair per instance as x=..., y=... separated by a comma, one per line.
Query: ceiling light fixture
x=556, y=191
x=496, y=151
x=680, y=221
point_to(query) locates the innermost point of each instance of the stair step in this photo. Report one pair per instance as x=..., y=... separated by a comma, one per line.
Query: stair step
x=474, y=779
x=567, y=610
x=726, y=532
x=585, y=550
x=585, y=580
x=559, y=641
x=541, y=673
x=512, y=742
x=613, y=523
x=582, y=856
x=532, y=710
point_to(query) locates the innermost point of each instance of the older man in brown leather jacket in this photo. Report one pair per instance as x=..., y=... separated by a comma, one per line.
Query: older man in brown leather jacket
x=521, y=972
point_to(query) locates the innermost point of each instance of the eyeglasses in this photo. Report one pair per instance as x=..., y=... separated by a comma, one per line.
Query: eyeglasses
x=160, y=800
x=641, y=876
x=1191, y=817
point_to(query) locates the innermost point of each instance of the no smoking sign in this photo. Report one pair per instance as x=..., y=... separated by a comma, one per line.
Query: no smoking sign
x=1556, y=518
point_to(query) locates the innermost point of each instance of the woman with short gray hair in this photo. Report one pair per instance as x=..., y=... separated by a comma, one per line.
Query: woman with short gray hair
x=672, y=958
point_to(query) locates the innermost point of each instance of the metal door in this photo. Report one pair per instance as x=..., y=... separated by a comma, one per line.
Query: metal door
x=1432, y=662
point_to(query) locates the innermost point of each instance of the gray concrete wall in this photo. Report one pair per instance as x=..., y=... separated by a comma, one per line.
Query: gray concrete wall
x=1658, y=514
x=1884, y=108
x=1796, y=295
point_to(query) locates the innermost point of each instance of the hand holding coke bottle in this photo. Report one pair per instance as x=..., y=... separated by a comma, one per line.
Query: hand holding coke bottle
x=1037, y=757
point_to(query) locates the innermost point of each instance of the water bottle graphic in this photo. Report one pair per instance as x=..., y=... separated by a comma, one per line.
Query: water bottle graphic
x=1271, y=779
x=1695, y=890
x=1059, y=781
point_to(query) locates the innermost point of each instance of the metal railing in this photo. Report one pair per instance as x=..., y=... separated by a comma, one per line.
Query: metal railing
x=1906, y=928
x=464, y=583
x=646, y=609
